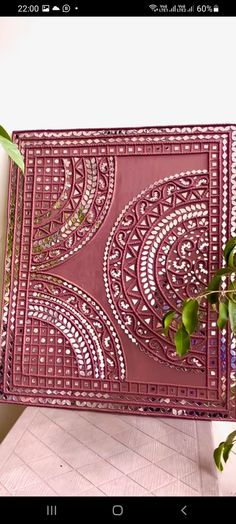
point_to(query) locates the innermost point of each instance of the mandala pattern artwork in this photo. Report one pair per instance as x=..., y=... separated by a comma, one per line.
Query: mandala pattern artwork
x=107, y=230
x=155, y=258
x=79, y=321
x=71, y=203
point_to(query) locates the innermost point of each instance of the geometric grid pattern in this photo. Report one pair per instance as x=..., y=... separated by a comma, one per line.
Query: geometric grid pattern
x=48, y=187
x=47, y=354
x=63, y=217
x=95, y=454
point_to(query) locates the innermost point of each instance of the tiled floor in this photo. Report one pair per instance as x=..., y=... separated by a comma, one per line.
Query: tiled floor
x=58, y=452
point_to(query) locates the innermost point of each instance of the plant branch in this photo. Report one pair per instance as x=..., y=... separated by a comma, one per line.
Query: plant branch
x=221, y=291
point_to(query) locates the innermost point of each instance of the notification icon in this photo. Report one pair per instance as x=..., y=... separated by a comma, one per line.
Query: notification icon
x=65, y=8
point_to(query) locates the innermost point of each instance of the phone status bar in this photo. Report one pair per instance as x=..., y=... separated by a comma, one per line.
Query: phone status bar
x=78, y=8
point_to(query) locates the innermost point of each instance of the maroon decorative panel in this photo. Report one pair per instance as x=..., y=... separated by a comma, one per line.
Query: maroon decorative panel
x=107, y=230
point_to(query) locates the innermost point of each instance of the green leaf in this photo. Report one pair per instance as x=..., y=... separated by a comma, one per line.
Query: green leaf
x=226, y=451
x=223, y=450
x=218, y=452
x=231, y=437
x=166, y=321
x=4, y=133
x=182, y=341
x=228, y=248
x=232, y=315
x=190, y=315
x=232, y=296
x=223, y=315
x=225, y=271
x=231, y=258
x=214, y=286
x=13, y=152
x=232, y=392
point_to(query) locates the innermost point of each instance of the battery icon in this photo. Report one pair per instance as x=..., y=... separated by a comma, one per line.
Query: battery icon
x=216, y=9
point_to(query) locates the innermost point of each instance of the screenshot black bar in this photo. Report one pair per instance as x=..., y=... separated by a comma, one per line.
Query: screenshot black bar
x=149, y=9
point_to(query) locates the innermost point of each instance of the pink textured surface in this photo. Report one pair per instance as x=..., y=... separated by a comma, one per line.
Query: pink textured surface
x=53, y=452
x=107, y=230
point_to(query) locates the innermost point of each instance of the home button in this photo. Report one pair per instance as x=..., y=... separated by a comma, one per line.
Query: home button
x=117, y=510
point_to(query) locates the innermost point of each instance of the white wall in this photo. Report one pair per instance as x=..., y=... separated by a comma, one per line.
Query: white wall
x=71, y=72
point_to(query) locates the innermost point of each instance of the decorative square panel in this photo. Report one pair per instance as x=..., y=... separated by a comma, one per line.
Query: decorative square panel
x=107, y=230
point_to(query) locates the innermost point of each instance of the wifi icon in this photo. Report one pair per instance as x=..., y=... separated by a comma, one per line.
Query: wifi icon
x=153, y=7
